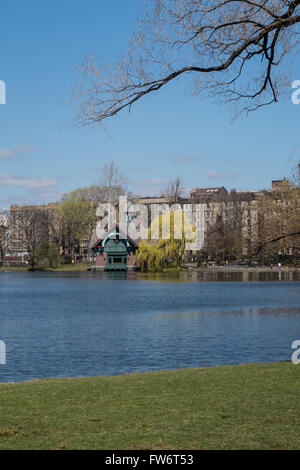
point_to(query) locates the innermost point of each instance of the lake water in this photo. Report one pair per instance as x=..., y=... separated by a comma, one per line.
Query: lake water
x=91, y=324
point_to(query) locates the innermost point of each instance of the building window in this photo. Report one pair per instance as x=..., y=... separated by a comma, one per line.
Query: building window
x=130, y=216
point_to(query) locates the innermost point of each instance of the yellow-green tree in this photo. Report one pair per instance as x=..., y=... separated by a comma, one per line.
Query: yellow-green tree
x=77, y=218
x=173, y=231
x=45, y=255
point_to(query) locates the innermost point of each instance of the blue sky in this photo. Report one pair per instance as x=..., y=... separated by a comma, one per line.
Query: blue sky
x=168, y=134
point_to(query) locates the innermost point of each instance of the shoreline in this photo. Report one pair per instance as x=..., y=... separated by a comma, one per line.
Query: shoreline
x=213, y=269
x=146, y=372
x=245, y=269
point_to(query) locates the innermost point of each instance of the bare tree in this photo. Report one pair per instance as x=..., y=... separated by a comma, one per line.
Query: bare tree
x=236, y=50
x=295, y=173
x=174, y=190
x=278, y=223
x=225, y=238
x=4, y=237
x=29, y=226
x=113, y=181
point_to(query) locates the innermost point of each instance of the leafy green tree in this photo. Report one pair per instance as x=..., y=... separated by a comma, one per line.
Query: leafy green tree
x=167, y=252
x=45, y=255
x=77, y=221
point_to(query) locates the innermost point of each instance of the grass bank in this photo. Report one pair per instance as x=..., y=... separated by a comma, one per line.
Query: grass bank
x=251, y=406
x=62, y=268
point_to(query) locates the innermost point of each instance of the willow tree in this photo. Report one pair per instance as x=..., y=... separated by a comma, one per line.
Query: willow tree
x=238, y=51
x=173, y=231
x=150, y=258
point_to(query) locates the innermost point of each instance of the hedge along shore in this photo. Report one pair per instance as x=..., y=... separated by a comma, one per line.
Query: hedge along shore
x=248, y=406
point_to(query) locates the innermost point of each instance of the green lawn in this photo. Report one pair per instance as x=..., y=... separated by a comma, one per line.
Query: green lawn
x=252, y=406
x=63, y=267
x=76, y=267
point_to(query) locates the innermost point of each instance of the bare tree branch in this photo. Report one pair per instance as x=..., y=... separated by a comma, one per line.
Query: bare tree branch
x=174, y=190
x=235, y=50
x=273, y=240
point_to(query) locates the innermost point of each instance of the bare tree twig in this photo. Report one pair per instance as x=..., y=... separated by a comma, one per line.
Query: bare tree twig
x=217, y=42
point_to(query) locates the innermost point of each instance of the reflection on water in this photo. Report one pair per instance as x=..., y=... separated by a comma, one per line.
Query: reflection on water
x=210, y=275
x=253, y=311
x=91, y=323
